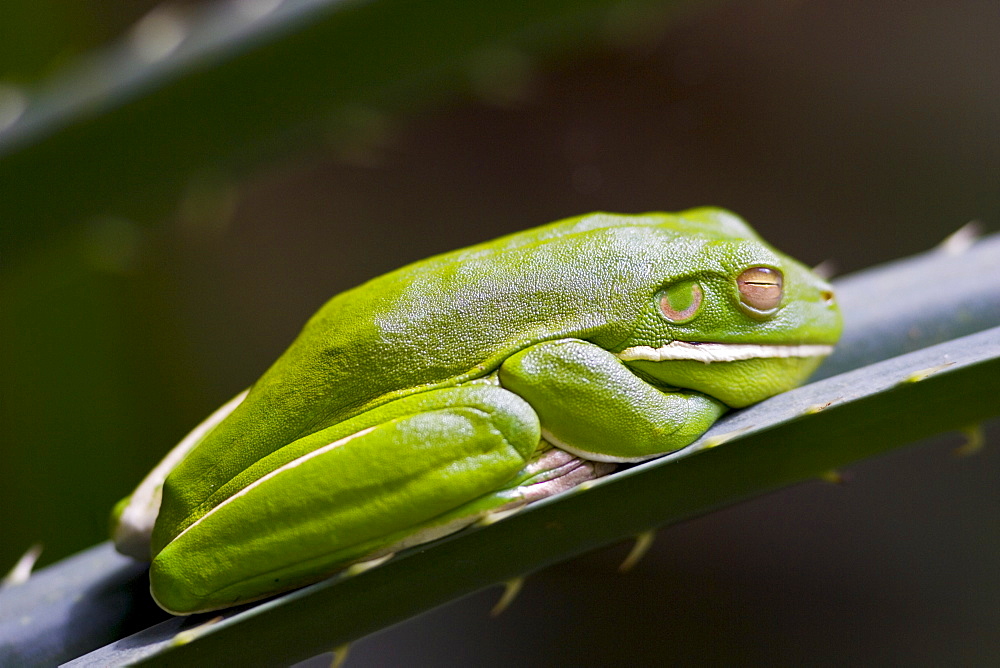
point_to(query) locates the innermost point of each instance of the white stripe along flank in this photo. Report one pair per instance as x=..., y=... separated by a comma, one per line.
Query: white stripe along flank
x=719, y=352
x=281, y=469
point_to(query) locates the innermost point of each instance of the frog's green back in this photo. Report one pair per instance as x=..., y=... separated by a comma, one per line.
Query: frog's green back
x=444, y=320
x=707, y=222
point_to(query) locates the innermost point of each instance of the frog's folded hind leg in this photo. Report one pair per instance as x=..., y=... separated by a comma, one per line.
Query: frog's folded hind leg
x=391, y=477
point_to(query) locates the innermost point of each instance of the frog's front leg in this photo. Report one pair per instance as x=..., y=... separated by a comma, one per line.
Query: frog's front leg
x=390, y=477
x=594, y=406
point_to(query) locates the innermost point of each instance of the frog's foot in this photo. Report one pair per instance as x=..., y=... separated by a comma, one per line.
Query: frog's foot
x=554, y=470
x=551, y=471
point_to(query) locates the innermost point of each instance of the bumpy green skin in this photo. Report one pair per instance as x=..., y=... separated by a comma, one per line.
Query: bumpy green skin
x=458, y=365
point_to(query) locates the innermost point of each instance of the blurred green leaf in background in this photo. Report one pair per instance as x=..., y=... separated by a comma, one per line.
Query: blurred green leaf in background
x=175, y=206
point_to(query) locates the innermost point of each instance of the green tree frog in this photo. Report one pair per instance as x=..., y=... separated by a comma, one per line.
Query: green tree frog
x=472, y=382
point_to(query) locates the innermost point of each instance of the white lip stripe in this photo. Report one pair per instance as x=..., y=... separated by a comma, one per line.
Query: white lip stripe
x=719, y=352
x=281, y=469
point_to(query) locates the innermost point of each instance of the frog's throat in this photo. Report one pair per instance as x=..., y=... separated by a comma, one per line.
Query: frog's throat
x=719, y=352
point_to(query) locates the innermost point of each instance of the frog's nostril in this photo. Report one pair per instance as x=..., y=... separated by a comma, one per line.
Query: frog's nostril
x=827, y=296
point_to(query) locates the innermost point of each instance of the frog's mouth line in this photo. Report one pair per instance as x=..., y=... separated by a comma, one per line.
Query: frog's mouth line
x=719, y=352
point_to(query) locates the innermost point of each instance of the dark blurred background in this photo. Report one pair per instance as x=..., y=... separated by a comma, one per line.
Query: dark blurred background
x=855, y=132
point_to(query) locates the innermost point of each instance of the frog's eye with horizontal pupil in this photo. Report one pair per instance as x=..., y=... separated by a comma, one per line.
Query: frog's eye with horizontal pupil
x=760, y=288
x=680, y=302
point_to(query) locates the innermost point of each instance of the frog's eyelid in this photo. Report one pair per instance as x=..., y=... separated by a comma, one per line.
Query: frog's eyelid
x=685, y=314
x=761, y=288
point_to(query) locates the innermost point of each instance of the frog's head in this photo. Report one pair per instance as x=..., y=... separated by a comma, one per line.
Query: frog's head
x=727, y=315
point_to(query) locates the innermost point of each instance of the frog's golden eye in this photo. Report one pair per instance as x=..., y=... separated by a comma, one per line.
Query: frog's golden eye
x=680, y=302
x=760, y=288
